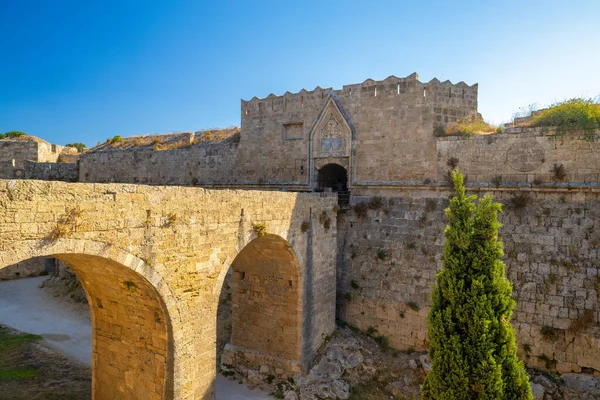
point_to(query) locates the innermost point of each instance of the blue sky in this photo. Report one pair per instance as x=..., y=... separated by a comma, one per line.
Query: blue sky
x=87, y=70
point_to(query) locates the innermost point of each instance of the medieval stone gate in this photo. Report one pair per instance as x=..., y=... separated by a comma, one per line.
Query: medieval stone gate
x=152, y=261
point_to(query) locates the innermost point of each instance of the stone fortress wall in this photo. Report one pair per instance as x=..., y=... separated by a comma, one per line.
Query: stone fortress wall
x=276, y=133
x=196, y=162
x=520, y=156
x=29, y=157
x=390, y=251
x=382, y=133
x=396, y=110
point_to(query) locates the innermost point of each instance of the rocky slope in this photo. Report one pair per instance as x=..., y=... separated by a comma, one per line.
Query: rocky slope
x=356, y=366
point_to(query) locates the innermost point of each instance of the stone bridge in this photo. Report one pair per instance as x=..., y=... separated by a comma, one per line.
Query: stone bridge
x=152, y=261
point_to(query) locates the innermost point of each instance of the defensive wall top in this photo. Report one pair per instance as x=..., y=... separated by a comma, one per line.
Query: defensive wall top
x=392, y=85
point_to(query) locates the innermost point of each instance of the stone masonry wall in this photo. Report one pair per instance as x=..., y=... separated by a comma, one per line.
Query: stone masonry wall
x=16, y=153
x=51, y=171
x=276, y=135
x=266, y=299
x=522, y=155
x=13, y=154
x=152, y=261
x=24, y=269
x=389, y=255
x=48, y=152
x=200, y=163
x=275, y=130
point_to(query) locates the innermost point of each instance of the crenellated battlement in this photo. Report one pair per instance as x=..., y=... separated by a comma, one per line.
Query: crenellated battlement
x=443, y=93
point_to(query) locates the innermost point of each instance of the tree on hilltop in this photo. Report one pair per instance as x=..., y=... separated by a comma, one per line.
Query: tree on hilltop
x=473, y=349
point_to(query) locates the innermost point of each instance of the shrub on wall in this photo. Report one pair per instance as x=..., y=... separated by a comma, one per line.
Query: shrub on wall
x=78, y=145
x=12, y=134
x=468, y=127
x=473, y=349
x=260, y=228
x=573, y=114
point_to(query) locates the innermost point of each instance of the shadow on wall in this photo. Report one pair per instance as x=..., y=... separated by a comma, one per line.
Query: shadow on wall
x=263, y=299
x=277, y=299
x=36, y=266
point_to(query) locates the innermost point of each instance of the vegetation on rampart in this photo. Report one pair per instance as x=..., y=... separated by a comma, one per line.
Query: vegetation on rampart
x=12, y=134
x=173, y=141
x=217, y=135
x=467, y=127
x=576, y=114
x=78, y=145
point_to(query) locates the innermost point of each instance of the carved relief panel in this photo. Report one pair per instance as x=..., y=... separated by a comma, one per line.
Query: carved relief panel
x=332, y=135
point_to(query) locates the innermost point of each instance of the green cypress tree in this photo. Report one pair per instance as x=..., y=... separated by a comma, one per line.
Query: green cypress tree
x=473, y=349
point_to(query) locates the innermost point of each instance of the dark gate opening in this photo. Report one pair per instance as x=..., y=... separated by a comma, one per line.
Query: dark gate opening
x=334, y=178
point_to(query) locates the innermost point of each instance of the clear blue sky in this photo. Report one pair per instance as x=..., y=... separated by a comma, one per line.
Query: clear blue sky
x=88, y=70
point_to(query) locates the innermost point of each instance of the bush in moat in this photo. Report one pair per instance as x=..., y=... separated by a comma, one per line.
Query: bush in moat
x=473, y=350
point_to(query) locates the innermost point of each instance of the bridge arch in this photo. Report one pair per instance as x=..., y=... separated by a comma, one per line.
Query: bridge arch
x=131, y=310
x=266, y=278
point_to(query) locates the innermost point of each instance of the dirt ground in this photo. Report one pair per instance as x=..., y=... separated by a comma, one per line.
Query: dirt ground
x=31, y=370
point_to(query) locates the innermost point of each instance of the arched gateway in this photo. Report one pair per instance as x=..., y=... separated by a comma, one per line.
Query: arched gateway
x=331, y=154
x=152, y=261
x=334, y=178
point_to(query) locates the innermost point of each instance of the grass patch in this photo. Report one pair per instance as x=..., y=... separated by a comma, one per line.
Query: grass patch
x=571, y=115
x=452, y=162
x=361, y=209
x=325, y=221
x=131, y=286
x=537, y=181
x=469, y=127
x=171, y=219
x=382, y=341
x=430, y=205
x=10, y=341
x=549, y=333
x=376, y=203
x=304, y=226
x=519, y=201
x=29, y=371
x=496, y=180
x=18, y=373
x=12, y=134
x=260, y=228
x=549, y=363
x=559, y=172
x=584, y=320
x=114, y=140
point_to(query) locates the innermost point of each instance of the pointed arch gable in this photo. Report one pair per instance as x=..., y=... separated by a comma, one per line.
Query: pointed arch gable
x=332, y=110
x=331, y=139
